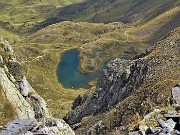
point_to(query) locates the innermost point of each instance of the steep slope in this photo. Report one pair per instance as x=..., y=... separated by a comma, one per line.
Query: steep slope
x=40, y=54
x=114, y=10
x=22, y=101
x=142, y=14
x=127, y=88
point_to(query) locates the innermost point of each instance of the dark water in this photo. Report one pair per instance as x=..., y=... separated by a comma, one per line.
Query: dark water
x=68, y=72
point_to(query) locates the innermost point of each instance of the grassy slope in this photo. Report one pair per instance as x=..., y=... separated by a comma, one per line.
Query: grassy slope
x=40, y=53
x=154, y=93
x=96, y=42
x=150, y=17
x=111, y=10
x=19, y=16
x=6, y=110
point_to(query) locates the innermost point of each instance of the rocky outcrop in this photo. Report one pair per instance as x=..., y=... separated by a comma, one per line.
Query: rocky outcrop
x=120, y=79
x=165, y=121
x=129, y=87
x=31, y=127
x=30, y=108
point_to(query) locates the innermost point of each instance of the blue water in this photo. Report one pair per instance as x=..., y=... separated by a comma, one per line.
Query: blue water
x=69, y=74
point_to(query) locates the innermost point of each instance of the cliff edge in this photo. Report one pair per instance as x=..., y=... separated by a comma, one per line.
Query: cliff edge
x=127, y=88
x=30, y=111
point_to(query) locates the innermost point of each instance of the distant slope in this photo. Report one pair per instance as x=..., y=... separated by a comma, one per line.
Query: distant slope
x=116, y=10
x=159, y=26
x=97, y=42
x=19, y=16
x=40, y=54
x=151, y=18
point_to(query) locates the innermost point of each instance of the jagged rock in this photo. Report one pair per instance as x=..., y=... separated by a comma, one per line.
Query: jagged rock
x=111, y=87
x=24, y=109
x=76, y=102
x=136, y=133
x=17, y=127
x=1, y=60
x=96, y=129
x=176, y=93
x=25, y=87
x=15, y=69
x=162, y=122
x=28, y=105
x=129, y=87
x=168, y=125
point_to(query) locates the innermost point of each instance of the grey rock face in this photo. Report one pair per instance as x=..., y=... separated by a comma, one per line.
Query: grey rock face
x=1, y=60
x=112, y=87
x=129, y=87
x=22, y=107
x=28, y=127
x=28, y=105
x=17, y=127
x=176, y=93
x=25, y=87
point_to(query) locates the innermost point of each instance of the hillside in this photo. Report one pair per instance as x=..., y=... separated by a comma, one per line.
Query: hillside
x=128, y=90
x=126, y=11
x=21, y=106
x=19, y=16
x=150, y=17
x=144, y=32
x=40, y=54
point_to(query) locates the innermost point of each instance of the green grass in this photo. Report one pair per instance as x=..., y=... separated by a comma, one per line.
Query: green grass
x=40, y=54
x=12, y=38
x=112, y=10
x=23, y=15
x=7, y=112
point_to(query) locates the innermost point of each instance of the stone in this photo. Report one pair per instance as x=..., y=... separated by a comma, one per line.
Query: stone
x=28, y=133
x=76, y=102
x=25, y=87
x=172, y=112
x=18, y=126
x=162, y=134
x=161, y=122
x=176, y=93
x=149, y=131
x=143, y=128
x=1, y=60
x=136, y=133
x=170, y=125
x=24, y=109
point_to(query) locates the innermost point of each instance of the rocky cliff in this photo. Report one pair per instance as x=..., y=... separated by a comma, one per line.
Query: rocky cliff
x=29, y=108
x=128, y=88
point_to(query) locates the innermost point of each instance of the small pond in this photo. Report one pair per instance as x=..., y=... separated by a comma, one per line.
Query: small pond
x=69, y=74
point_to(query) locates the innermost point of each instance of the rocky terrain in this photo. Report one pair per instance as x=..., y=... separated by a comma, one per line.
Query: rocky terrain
x=137, y=96
x=129, y=88
x=30, y=110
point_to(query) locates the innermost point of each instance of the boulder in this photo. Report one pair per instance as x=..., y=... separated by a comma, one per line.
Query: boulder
x=18, y=127
x=25, y=87
x=1, y=60
x=176, y=93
